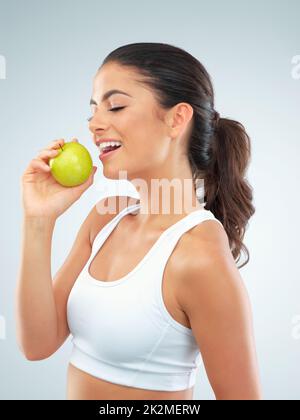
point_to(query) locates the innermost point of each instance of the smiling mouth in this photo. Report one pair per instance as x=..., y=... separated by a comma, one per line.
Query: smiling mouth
x=108, y=151
x=110, y=148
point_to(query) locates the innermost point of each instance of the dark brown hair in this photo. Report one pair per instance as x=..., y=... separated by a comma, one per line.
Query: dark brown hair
x=218, y=149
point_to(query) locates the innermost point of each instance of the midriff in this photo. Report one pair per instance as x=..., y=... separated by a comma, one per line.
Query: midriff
x=82, y=386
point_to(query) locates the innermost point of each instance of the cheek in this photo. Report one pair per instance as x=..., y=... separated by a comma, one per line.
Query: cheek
x=146, y=127
x=143, y=134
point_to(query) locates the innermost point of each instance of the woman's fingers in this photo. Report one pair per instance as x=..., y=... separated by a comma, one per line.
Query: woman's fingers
x=40, y=165
x=52, y=150
x=47, y=154
x=56, y=144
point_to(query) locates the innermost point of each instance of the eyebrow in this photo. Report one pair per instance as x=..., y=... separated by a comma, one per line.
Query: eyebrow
x=108, y=94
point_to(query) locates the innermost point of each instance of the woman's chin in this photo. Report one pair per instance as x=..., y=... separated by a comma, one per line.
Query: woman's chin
x=115, y=173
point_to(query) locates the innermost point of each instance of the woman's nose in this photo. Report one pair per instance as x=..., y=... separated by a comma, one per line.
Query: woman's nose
x=95, y=124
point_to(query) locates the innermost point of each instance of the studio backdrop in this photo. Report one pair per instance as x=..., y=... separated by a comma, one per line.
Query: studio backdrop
x=49, y=53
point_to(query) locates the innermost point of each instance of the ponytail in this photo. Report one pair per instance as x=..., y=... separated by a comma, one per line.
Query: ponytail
x=227, y=192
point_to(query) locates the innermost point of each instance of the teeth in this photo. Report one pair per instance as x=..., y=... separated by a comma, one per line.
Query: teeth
x=103, y=145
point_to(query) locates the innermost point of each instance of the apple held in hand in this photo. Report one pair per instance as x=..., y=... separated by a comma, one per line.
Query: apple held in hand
x=72, y=166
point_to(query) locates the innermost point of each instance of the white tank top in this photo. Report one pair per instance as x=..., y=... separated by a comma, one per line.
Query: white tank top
x=122, y=331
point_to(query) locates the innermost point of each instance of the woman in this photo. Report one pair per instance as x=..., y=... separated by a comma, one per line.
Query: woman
x=145, y=293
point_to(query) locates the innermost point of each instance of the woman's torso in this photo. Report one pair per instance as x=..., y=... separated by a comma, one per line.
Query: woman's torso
x=109, y=265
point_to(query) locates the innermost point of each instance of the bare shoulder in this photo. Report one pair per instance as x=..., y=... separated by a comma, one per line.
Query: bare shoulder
x=207, y=241
x=211, y=239
x=209, y=272
x=202, y=243
x=105, y=210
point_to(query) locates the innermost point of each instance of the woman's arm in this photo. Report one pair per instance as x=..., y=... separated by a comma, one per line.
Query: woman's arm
x=214, y=298
x=40, y=304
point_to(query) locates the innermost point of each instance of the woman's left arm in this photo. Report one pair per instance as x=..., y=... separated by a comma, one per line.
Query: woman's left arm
x=213, y=296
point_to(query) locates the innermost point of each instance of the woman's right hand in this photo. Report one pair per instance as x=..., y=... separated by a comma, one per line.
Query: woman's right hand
x=42, y=195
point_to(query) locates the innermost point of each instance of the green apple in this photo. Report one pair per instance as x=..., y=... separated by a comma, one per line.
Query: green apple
x=73, y=164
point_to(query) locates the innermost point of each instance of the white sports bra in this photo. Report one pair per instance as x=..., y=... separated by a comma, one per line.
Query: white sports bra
x=122, y=331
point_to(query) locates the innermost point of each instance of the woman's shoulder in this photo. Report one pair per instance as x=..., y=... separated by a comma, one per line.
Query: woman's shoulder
x=203, y=248
x=209, y=269
x=211, y=235
x=207, y=239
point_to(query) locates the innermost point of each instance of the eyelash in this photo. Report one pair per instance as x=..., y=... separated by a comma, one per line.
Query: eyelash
x=111, y=110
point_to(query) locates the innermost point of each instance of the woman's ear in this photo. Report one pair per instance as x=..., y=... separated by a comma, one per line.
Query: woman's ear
x=179, y=119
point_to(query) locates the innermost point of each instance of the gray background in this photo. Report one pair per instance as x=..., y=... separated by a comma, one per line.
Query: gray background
x=52, y=50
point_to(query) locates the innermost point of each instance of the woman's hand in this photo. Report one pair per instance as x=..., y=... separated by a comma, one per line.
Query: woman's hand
x=42, y=195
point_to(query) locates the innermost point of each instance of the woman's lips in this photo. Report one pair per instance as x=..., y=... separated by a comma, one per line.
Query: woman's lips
x=104, y=155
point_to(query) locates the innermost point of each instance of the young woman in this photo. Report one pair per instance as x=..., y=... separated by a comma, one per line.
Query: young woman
x=146, y=294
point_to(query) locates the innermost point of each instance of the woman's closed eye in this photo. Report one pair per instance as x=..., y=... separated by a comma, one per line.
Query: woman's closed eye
x=117, y=108
x=111, y=110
